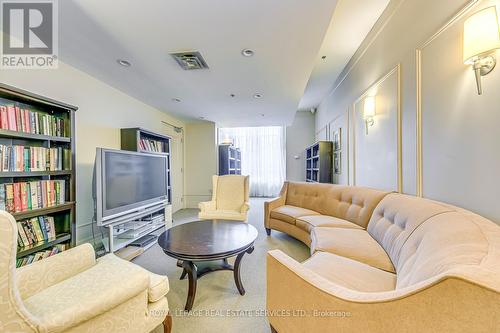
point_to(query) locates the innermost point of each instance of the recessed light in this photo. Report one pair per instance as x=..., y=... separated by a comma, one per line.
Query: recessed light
x=323, y=57
x=177, y=100
x=257, y=95
x=247, y=53
x=124, y=63
x=262, y=114
x=202, y=118
x=232, y=95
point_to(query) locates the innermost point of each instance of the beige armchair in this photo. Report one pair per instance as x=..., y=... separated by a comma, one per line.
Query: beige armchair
x=72, y=292
x=230, y=198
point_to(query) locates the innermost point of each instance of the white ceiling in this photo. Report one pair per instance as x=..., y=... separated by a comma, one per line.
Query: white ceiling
x=351, y=23
x=286, y=36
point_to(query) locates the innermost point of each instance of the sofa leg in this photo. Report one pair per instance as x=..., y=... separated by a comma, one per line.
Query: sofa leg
x=167, y=323
x=268, y=231
x=273, y=330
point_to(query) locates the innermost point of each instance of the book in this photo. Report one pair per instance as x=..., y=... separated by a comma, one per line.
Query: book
x=23, y=191
x=17, y=197
x=4, y=123
x=35, y=224
x=22, y=234
x=2, y=198
x=9, y=197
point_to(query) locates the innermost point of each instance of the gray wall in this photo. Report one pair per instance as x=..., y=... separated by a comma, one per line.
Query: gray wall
x=298, y=136
x=456, y=160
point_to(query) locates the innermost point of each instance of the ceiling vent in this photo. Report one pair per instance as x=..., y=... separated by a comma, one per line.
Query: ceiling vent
x=190, y=60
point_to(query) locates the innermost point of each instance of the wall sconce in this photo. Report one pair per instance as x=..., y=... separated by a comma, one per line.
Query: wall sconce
x=369, y=112
x=481, y=38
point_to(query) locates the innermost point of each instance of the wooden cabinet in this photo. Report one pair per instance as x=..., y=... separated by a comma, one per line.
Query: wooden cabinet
x=319, y=159
x=229, y=160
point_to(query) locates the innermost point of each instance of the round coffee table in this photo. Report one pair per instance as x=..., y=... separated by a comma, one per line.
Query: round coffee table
x=208, y=241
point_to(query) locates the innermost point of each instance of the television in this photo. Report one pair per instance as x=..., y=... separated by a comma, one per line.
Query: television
x=126, y=182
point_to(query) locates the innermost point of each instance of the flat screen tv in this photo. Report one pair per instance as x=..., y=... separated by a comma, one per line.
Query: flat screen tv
x=126, y=182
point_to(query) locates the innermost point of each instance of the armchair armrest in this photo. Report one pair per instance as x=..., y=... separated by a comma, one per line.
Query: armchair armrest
x=299, y=300
x=244, y=208
x=207, y=205
x=42, y=274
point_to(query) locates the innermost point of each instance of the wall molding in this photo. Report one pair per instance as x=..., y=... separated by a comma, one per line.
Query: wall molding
x=352, y=123
x=418, y=59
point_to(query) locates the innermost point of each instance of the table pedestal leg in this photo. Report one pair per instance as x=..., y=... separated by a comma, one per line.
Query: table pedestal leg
x=190, y=269
x=237, y=277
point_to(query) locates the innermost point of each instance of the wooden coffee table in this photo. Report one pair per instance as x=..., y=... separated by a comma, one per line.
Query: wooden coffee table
x=204, y=241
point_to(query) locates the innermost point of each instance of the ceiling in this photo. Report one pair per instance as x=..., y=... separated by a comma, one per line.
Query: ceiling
x=288, y=38
x=350, y=24
x=285, y=35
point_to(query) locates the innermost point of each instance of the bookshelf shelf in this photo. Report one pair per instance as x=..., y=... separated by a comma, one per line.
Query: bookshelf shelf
x=36, y=173
x=43, y=211
x=21, y=135
x=152, y=152
x=41, y=115
x=24, y=251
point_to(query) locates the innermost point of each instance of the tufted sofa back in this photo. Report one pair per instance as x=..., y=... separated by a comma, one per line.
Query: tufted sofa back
x=425, y=238
x=354, y=204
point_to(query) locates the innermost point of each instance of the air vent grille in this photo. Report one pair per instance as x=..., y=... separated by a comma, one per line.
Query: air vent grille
x=190, y=60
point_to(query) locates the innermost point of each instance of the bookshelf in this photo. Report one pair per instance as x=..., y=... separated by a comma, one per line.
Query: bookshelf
x=38, y=158
x=229, y=160
x=145, y=141
x=319, y=167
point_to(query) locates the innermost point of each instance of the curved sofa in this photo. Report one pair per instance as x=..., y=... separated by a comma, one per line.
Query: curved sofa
x=381, y=262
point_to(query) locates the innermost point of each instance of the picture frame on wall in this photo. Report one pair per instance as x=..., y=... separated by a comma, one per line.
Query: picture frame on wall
x=337, y=139
x=337, y=162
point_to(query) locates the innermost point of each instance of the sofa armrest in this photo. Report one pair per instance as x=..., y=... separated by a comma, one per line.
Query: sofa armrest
x=207, y=206
x=269, y=206
x=42, y=274
x=299, y=300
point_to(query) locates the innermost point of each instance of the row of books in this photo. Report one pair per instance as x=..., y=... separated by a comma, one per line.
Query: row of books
x=41, y=255
x=35, y=230
x=27, y=159
x=151, y=145
x=24, y=120
x=23, y=196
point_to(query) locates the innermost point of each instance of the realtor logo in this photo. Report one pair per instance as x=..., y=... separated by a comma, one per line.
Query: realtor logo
x=29, y=34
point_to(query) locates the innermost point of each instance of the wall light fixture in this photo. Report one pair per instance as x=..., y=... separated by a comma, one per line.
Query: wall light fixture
x=369, y=112
x=481, y=39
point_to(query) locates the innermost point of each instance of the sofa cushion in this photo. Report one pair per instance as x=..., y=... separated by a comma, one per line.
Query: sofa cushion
x=356, y=244
x=396, y=218
x=109, y=283
x=307, y=223
x=444, y=243
x=350, y=273
x=158, y=287
x=289, y=213
x=354, y=204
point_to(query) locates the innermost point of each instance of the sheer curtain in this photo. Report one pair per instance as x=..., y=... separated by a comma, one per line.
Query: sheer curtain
x=262, y=156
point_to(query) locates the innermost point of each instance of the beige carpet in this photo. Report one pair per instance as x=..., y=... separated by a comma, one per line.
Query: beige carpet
x=216, y=292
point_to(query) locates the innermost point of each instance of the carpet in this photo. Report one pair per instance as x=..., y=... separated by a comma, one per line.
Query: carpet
x=218, y=307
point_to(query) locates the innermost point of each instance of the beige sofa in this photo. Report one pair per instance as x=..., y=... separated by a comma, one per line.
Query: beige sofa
x=72, y=292
x=381, y=262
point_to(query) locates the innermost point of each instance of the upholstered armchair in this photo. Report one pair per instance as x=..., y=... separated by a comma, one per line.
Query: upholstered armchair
x=73, y=292
x=230, y=198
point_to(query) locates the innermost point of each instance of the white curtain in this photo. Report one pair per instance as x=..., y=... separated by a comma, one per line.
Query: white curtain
x=262, y=156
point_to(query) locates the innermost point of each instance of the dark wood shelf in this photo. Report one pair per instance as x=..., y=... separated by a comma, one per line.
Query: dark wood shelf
x=153, y=152
x=21, y=135
x=43, y=211
x=35, y=173
x=27, y=250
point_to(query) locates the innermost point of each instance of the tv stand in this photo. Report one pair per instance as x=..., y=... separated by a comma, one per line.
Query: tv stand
x=127, y=229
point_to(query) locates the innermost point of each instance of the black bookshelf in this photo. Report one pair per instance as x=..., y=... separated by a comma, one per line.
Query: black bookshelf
x=229, y=160
x=131, y=140
x=319, y=162
x=64, y=214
